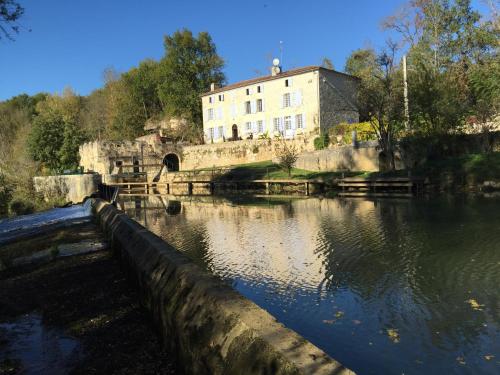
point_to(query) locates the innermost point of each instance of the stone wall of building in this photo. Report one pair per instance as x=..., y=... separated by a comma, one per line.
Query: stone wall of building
x=73, y=188
x=337, y=99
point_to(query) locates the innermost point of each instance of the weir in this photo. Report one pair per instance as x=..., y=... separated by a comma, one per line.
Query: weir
x=211, y=327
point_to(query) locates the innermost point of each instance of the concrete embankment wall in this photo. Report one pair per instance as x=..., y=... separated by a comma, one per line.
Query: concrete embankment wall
x=211, y=327
x=74, y=188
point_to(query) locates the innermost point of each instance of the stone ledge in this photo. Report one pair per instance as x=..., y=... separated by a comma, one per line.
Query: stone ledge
x=211, y=327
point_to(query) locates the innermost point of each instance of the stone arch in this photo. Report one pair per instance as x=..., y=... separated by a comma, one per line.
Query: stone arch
x=172, y=162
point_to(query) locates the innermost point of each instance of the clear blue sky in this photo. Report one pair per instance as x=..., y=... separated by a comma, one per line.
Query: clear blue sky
x=72, y=42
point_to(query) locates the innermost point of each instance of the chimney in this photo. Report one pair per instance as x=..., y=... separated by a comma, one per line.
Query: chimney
x=212, y=86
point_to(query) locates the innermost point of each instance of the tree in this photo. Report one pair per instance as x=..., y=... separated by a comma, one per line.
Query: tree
x=56, y=133
x=380, y=96
x=287, y=155
x=188, y=68
x=327, y=63
x=450, y=50
x=10, y=12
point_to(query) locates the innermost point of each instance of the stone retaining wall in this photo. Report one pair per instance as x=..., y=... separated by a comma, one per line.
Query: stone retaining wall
x=345, y=158
x=211, y=327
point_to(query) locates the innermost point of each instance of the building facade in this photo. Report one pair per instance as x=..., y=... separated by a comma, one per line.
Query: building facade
x=305, y=101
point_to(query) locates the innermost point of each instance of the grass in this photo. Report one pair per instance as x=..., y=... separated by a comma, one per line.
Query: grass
x=480, y=166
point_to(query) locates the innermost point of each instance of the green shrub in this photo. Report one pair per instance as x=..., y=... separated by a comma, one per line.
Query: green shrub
x=5, y=195
x=321, y=142
x=21, y=207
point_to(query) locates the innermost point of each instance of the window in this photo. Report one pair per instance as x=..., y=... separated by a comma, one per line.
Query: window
x=288, y=123
x=248, y=126
x=118, y=163
x=248, y=107
x=210, y=99
x=211, y=133
x=287, y=83
x=260, y=126
x=221, y=132
x=259, y=105
x=299, y=121
x=221, y=97
x=248, y=91
x=276, y=124
x=210, y=113
x=259, y=89
x=286, y=100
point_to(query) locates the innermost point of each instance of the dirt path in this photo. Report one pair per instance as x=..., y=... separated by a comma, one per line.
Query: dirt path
x=89, y=317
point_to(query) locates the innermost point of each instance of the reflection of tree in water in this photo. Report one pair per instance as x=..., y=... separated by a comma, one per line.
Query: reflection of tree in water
x=419, y=263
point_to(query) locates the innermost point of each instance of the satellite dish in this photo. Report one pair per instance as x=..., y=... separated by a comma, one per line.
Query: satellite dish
x=276, y=62
x=277, y=69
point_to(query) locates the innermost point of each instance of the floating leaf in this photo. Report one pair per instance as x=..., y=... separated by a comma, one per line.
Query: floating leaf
x=355, y=321
x=393, y=335
x=489, y=357
x=474, y=304
x=329, y=321
x=461, y=360
x=339, y=314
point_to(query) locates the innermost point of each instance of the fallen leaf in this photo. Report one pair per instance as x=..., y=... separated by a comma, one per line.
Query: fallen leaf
x=355, y=321
x=393, y=335
x=329, y=321
x=339, y=314
x=489, y=357
x=474, y=304
x=461, y=360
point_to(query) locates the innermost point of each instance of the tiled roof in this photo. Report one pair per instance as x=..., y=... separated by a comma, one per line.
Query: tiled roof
x=253, y=81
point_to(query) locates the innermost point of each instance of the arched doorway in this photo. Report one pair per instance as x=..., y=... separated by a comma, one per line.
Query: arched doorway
x=171, y=161
x=235, y=132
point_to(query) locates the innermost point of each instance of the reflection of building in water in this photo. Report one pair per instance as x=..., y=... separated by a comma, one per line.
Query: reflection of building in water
x=241, y=241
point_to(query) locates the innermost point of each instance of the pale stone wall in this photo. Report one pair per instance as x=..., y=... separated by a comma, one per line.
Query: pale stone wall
x=231, y=110
x=74, y=188
x=346, y=158
x=233, y=153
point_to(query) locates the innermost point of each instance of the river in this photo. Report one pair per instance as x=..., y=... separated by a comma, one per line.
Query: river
x=385, y=287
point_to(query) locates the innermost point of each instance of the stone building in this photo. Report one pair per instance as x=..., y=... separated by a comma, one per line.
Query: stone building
x=305, y=101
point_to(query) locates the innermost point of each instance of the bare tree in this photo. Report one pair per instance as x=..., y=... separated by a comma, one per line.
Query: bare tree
x=10, y=12
x=287, y=155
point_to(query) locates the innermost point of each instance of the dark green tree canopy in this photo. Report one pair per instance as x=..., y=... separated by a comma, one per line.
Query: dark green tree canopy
x=190, y=65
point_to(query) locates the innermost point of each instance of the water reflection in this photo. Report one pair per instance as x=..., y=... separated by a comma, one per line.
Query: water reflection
x=385, y=287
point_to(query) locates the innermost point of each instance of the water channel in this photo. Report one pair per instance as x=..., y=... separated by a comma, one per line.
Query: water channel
x=385, y=287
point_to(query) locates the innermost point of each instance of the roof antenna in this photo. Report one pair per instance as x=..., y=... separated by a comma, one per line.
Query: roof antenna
x=281, y=52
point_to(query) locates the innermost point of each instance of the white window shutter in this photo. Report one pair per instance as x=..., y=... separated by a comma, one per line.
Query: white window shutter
x=282, y=101
x=290, y=82
x=253, y=106
x=292, y=120
x=263, y=108
x=298, y=97
x=303, y=121
x=282, y=124
x=292, y=100
x=254, y=127
x=216, y=132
